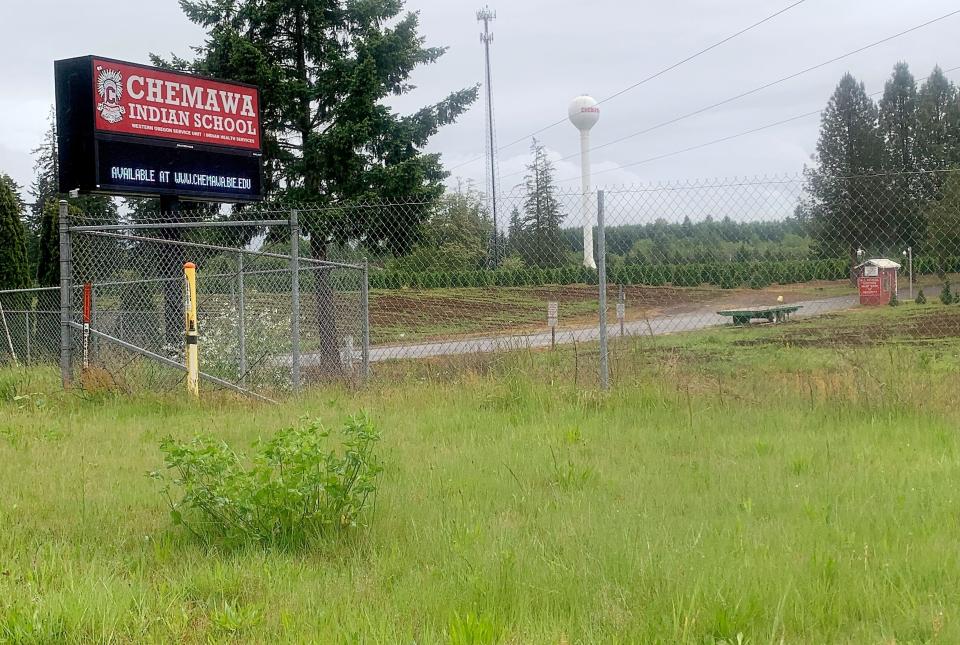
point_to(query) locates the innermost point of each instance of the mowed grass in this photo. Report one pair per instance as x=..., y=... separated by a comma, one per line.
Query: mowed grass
x=725, y=491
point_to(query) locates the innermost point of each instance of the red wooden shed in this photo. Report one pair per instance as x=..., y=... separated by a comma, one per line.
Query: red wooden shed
x=877, y=281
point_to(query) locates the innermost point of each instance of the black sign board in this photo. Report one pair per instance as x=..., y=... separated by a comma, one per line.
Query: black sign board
x=113, y=138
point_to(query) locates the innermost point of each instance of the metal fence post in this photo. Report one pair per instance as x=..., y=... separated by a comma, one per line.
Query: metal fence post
x=365, y=304
x=241, y=321
x=66, y=294
x=295, y=300
x=26, y=319
x=602, y=281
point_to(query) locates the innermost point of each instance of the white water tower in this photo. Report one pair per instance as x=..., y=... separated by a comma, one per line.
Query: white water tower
x=584, y=114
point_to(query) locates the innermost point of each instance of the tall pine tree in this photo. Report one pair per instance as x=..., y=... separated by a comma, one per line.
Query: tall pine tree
x=42, y=226
x=45, y=169
x=15, y=189
x=898, y=127
x=943, y=230
x=14, y=268
x=326, y=69
x=898, y=120
x=845, y=209
x=938, y=125
x=541, y=213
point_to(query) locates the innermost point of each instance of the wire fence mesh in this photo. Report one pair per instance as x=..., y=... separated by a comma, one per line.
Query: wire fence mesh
x=444, y=285
x=247, y=304
x=680, y=257
x=30, y=326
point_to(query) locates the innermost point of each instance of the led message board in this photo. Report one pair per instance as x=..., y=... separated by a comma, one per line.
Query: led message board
x=131, y=129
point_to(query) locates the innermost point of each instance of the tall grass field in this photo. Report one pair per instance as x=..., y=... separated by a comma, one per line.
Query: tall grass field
x=735, y=486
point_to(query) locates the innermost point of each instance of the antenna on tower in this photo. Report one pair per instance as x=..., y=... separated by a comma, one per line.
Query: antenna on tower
x=486, y=16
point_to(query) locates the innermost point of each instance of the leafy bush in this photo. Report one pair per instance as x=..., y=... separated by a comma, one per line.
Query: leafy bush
x=946, y=295
x=295, y=490
x=920, y=299
x=894, y=301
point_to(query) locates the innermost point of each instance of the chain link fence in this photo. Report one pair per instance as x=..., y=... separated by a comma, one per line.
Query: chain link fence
x=388, y=286
x=30, y=326
x=679, y=257
x=270, y=320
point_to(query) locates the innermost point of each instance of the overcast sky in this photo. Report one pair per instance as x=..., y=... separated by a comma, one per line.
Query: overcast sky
x=544, y=53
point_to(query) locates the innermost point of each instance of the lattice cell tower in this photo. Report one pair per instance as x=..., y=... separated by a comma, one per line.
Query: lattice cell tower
x=486, y=16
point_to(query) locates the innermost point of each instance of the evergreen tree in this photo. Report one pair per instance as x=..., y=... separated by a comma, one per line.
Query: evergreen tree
x=14, y=268
x=938, y=118
x=48, y=251
x=326, y=69
x=898, y=126
x=48, y=266
x=45, y=175
x=898, y=120
x=946, y=293
x=942, y=219
x=42, y=220
x=515, y=233
x=541, y=213
x=15, y=189
x=846, y=199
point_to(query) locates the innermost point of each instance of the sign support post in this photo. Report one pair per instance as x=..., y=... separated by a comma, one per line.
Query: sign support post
x=190, y=317
x=241, y=320
x=295, y=301
x=66, y=295
x=87, y=305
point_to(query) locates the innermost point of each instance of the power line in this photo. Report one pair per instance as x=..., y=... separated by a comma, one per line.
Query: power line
x=761, y=87
x=728, y=138
x=647, y=79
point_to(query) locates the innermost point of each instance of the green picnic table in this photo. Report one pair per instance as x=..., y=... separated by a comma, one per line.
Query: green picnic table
x=774, y=314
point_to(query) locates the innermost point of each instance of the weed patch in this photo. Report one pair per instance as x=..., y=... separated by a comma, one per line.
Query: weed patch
x=295, y=491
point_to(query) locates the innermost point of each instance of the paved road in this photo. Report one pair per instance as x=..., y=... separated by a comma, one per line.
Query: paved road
x=655, y=326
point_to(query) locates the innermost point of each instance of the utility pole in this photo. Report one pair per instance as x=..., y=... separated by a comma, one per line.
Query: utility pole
x=486, y=16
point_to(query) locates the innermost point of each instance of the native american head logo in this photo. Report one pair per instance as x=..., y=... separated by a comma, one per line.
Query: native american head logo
x=110, y=89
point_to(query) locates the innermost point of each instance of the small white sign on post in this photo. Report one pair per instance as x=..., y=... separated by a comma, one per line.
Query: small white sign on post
x=871, y=272
x=621, y=310
x=553, y=309
x=347, y=353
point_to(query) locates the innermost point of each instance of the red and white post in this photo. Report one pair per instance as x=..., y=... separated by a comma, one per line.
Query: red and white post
x=87, y=313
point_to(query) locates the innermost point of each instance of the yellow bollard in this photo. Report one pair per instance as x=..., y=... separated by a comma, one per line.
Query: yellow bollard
x=190, y=319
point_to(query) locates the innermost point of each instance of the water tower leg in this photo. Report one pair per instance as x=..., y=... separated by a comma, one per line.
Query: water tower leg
x=587, y=203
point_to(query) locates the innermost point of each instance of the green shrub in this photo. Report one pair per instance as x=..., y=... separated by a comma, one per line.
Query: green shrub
x=726, y=277
x=920, y=299
x=894, y=300
x=295, y=490
x=946, y=295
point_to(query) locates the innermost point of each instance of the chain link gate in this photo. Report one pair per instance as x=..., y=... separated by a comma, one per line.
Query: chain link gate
x=269, y=319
